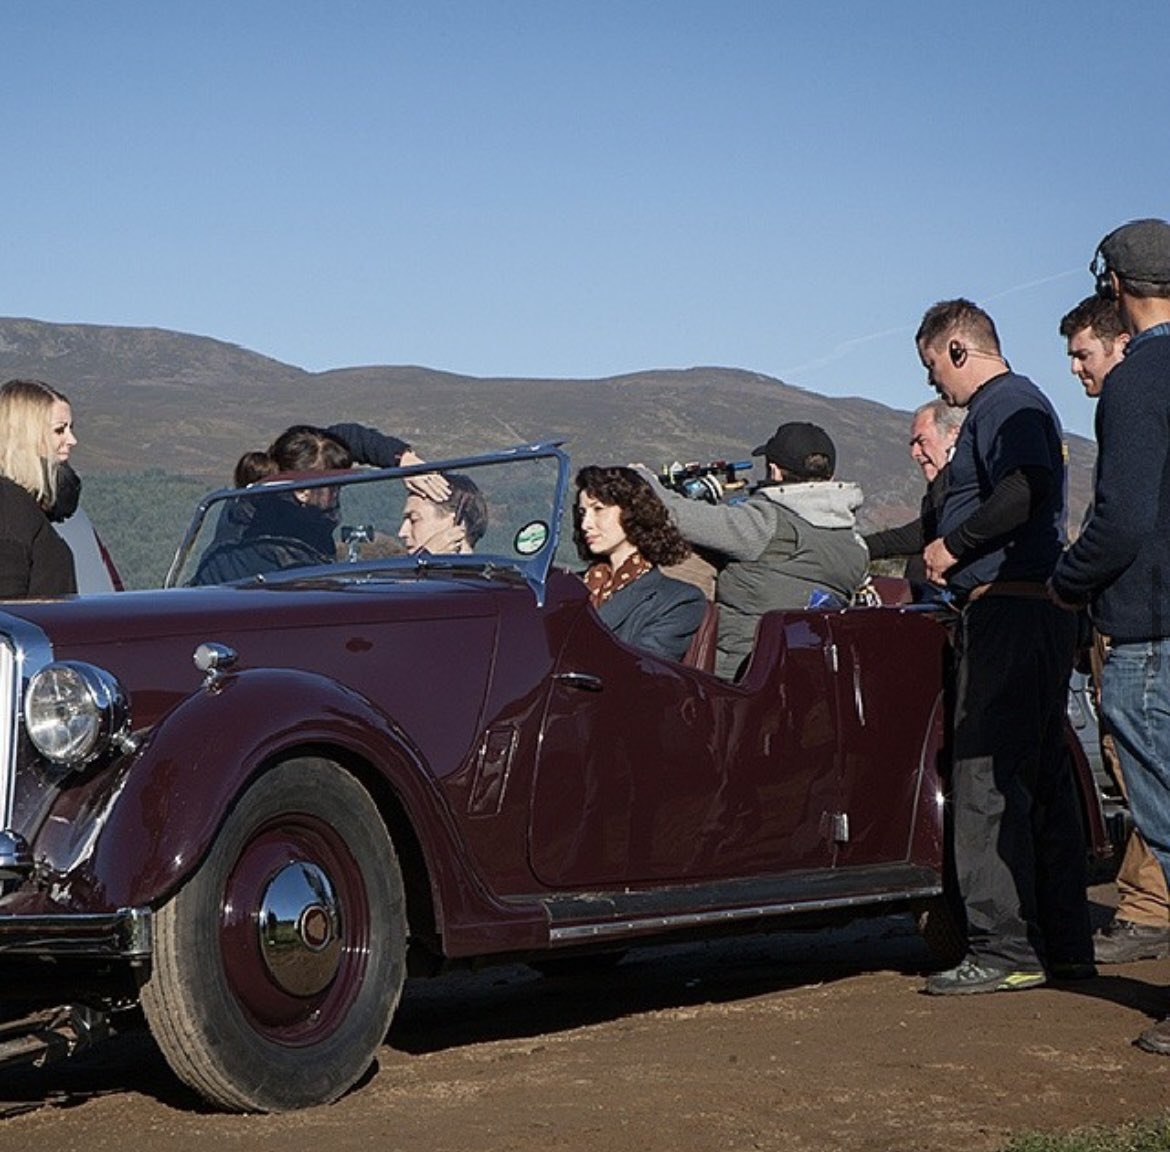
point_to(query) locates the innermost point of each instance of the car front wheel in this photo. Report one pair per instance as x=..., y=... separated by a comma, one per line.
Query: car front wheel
x=277, y=967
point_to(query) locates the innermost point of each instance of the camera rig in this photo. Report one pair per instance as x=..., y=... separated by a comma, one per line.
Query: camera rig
x=706, y=482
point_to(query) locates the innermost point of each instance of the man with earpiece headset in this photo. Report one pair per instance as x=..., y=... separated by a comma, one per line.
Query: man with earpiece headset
x=1120, y=563
x=1018, y=842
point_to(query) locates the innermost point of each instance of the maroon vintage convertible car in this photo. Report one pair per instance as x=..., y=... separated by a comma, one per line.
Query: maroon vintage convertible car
x=246, y=812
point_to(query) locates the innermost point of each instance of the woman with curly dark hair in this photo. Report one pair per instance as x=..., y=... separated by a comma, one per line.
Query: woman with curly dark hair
x=623, y=528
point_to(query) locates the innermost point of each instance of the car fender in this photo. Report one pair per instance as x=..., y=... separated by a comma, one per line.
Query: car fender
x=158, y=812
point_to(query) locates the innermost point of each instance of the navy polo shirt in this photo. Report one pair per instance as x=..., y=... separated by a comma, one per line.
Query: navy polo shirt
x=1010, y=425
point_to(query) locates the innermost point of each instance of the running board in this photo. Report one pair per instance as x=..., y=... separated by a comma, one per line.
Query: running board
x=581, y=917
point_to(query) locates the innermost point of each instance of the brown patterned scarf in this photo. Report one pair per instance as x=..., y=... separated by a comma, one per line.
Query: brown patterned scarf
x=602, y=581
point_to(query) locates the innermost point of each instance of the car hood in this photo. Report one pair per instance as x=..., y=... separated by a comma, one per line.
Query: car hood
x=157, y=613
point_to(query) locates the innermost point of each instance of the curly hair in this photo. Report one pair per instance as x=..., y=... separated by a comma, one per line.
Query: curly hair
x=644, y=517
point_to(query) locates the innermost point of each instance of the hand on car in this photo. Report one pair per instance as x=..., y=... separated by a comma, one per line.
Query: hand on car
x=431, y=485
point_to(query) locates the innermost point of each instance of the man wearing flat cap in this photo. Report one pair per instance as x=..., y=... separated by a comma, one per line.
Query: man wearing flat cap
x=793, y=540
x=1120, y=563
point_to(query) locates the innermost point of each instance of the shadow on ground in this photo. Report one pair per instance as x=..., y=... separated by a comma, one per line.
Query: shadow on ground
x=515, y=1001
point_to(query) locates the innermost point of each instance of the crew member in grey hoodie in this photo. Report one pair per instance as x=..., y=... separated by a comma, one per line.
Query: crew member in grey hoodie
x=794, y=536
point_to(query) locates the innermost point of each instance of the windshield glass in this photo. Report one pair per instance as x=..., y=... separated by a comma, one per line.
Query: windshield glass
x=499, y=510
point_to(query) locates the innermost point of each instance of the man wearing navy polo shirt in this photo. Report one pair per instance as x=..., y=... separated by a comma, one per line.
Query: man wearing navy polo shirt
x=1120, y=563
x=1018, y=841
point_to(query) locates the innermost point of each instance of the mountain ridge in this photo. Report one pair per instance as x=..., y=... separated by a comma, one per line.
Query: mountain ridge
x=153, y=398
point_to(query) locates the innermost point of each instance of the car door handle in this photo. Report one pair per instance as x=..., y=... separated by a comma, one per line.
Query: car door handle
x=581, y=680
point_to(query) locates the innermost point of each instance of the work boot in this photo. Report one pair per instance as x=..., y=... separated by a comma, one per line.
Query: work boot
x=1122, y=941
x=1156, y=1039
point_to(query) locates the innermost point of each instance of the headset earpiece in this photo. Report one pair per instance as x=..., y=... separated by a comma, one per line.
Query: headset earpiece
x=1104, y=280
x=957, y=353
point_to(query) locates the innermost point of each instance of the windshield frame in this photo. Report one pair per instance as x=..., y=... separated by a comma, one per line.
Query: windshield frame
x=534, y=569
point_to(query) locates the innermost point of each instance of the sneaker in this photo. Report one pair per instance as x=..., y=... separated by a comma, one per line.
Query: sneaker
x=973, y=976
x=1072, y=970
x=1156, y=1039
x=1121, y=941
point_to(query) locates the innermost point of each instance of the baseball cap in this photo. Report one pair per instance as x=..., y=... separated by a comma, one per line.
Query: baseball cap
x=1139, y=250
x=792, y=444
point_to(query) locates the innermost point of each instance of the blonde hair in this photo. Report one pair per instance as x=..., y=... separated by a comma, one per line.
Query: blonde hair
x=25, y=407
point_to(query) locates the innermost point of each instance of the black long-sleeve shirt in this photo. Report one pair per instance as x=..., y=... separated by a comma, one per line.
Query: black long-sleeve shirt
x=910, y=539
x=368, y=445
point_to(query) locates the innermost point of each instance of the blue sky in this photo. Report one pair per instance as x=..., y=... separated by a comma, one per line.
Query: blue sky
x=546, y=188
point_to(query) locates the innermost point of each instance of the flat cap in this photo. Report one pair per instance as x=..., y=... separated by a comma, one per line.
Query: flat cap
x=1139, y=250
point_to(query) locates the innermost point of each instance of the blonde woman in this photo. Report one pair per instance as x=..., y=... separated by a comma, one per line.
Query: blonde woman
x=36, y=436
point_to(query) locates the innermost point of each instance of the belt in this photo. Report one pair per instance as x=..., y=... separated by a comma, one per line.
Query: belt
x=1024, y=589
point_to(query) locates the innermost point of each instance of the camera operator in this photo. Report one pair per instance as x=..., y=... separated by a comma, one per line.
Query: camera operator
x=790, y=543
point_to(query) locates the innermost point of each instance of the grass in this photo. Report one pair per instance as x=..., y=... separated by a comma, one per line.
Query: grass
x=1142, y=1136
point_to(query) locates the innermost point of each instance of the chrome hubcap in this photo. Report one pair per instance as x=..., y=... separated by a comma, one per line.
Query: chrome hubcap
x=300, y=929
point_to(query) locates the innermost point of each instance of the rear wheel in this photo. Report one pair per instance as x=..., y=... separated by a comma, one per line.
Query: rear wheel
x=278, y=966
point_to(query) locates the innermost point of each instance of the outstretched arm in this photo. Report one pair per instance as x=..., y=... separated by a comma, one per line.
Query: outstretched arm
x=740, y=531
x=369, y=446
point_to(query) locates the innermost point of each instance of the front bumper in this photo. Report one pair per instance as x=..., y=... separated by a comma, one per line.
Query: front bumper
x=126, y=934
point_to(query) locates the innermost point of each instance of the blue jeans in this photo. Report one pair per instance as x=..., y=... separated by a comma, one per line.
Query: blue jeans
x=1135, y=700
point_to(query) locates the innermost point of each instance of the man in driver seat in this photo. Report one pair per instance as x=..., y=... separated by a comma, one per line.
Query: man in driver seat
x=791, y=543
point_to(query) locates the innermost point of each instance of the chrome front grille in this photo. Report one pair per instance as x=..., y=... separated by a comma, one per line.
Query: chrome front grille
x=24, y=650
x=9, y=717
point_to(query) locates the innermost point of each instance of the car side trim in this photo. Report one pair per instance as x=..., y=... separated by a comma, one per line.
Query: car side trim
x=607, y=915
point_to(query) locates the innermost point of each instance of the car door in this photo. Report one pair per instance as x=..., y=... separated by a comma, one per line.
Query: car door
x=650, y=772
x=891, y=671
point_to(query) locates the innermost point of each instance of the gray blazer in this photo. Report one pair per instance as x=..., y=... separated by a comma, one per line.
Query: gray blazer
x=655, y=613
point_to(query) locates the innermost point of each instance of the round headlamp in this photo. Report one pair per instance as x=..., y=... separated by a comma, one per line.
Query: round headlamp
x=73, y=712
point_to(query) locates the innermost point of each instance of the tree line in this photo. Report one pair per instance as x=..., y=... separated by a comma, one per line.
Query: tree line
x=141, y=519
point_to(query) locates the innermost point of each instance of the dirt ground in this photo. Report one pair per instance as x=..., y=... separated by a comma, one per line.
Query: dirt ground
x=793, y=1041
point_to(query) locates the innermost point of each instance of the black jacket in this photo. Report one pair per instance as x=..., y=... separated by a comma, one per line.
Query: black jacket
x=1121, y=560
x=34, y=560
x=267, y=534
x=910, y=539
x=368, y=445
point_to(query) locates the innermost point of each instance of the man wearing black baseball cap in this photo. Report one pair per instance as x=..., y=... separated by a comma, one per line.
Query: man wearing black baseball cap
x=800, y=449
x=793, y=540
x=1120, y=563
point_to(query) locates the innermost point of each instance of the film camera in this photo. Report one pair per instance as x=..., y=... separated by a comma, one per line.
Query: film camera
x=706, y=482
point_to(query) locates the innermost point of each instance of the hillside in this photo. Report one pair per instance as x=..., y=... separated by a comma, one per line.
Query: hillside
x=147, y=399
